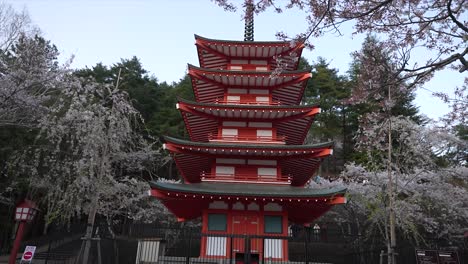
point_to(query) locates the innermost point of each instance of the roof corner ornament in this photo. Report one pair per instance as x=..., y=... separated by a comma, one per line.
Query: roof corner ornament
x=249, y=21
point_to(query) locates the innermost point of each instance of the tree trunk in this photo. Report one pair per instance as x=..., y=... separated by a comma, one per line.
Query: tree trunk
x=87, y=240
x=114, y=243
x=46, y=226
x=344, y=135
x=391, y=194
x=359, y=242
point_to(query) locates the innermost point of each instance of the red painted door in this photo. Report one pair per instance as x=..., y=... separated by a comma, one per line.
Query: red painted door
x=244, y=226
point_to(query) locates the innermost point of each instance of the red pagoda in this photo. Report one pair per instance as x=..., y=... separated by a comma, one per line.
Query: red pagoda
x=245, y=167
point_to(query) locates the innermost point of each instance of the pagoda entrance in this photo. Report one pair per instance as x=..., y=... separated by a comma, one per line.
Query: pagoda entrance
x=245, y=247
x=245, y=224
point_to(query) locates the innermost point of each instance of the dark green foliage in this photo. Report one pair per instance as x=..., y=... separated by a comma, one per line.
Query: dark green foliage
x=455, y=155
x=328, y=89
x=142, y=89
x=371, y=74
x=373, y=55
x=168, y=120
x=340, y=117
x=13, y=139
x=31, y=54
x=155, y=101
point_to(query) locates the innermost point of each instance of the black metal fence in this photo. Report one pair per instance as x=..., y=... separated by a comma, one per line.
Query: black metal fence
x=146, y=244
x=149, y=243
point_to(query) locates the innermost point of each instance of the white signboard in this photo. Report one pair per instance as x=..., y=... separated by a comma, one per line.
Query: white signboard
x=28, y=254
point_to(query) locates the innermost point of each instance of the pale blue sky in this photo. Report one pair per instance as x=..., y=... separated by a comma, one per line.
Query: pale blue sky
x=160, y=33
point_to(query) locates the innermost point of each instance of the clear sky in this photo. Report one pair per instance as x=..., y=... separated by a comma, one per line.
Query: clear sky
x=160, y=33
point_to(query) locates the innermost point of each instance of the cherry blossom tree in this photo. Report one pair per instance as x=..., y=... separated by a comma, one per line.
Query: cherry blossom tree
x=436, y=28
x=90, y=152
x=429, y=203
x=28, y=69
x=13, y=25
x=458, y=104
x=397, y=150
x=29, y=75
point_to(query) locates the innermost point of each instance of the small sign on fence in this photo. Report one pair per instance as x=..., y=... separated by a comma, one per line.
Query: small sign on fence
x=448, y=257
x=28, y=254
x=436, y=257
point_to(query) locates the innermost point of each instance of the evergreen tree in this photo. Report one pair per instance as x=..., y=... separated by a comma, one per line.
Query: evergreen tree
x=328, y=89
x=371, y=74
x=155, y=101
x=169, y=119
x=143, y=89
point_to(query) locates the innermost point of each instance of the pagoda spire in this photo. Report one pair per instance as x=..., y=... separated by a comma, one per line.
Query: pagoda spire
x=249, y=21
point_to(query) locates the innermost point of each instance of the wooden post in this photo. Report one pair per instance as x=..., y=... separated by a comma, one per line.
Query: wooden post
x=17, y=243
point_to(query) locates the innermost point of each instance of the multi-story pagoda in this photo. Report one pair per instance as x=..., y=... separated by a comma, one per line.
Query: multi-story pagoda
x=245, y=168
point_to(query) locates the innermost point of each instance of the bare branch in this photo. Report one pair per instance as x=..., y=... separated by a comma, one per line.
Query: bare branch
x=454, y=19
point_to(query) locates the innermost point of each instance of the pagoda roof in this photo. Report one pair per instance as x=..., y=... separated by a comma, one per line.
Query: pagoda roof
x=300, y=162
x=303, y=205
x=209, y=85
x=213, y=53
x=203, y=119
x=286, y=151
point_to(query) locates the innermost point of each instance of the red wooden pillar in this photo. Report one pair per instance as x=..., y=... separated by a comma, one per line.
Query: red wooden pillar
x=17, y=244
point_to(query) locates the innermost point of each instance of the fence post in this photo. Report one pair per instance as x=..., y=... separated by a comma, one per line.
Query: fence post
x=230, y=249
x=306, y=245
x=187, y=259
x=381, y=257
x=263, y=250
x=98, y=243
x=48, y=252
x=247, y=250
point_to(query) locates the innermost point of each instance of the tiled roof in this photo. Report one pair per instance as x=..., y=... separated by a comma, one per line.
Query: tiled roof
x=249, y=146
x=249, y=190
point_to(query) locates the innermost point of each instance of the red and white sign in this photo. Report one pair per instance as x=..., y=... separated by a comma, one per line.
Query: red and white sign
x=28, y=253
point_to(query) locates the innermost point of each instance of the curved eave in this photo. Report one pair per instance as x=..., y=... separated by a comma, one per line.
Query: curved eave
x=300, y=162
x=286, y=87
x=285, y=151
x=314, y=109
x=214, y=53
x=201, y=120
x=207, y=72
x=187, y=201
x=248, y=190
x=248, y=78
x=286, y=44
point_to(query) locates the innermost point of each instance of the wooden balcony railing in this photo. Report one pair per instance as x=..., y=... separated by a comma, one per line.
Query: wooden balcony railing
x=248, y=139
x=243, y=102
x=223, y=177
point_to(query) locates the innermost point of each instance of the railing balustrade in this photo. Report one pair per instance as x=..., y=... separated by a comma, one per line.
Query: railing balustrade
x=246, y=102
x=250, y=139
x=237, y=177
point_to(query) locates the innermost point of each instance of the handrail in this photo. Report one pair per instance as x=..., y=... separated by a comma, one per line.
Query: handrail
x=276, y=139
x=284, y=179
x=241, y=102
